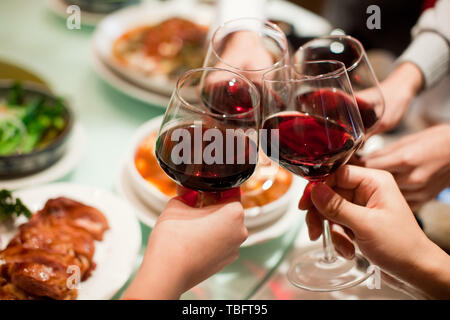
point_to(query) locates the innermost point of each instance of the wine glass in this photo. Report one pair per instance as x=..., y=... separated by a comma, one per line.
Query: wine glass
x=250, y=47
x=365, y=85
x=208, y=139
x=311, y=127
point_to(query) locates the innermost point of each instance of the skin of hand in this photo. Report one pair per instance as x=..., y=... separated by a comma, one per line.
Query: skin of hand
x=187, y=246
x=419, y=162
x=399, y=89
x=369, y=203
x=245, y=51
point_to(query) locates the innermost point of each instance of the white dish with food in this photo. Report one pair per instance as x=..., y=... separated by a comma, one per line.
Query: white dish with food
x=71, y=157
x=115, y=255
x=120, y=41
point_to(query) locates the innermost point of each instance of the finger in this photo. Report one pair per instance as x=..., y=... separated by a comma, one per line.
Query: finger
x=305, y=201
x=334, y=207
x=419, y=196
x=391, y=162
x=415, y=205
x=392, y=147
x=345, y=193
x=343, y=243
x=409, y=181
x=314, y=222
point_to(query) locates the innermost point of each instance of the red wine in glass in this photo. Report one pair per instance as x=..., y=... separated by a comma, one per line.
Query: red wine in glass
x=236, y=167
x=335, y=102
x=308, y=145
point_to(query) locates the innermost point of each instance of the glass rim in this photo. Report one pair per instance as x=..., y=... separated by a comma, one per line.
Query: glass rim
x=265, y=23
x=341, y=36
x=329, y=75
x=196, y=109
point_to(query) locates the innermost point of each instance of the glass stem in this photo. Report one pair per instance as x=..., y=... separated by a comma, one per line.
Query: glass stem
x=328, y=248
x=200, y=199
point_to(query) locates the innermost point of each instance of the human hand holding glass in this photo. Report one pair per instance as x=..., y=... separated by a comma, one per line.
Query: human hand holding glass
x=311, y=126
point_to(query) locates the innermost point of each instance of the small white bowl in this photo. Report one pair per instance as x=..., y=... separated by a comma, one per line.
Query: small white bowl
x=155, y=199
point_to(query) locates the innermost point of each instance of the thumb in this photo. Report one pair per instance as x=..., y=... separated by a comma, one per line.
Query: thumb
x=334, y=207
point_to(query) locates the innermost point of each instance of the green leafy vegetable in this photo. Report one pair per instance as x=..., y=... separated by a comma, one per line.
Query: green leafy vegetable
x=27, y=124
x=11, y=207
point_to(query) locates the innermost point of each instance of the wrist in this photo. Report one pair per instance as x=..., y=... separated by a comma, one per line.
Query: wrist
x=429, y=271
x=409, y=78
x=158, y=278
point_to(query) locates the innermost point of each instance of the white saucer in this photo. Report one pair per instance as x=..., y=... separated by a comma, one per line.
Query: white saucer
x=73, y=154
x=116, y=255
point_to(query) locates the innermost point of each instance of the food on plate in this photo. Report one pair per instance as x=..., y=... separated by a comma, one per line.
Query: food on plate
x=253, y=192
x=29, y=122
x=52, y=248
x=11, y=207
x=262, y=189
x=148, y=167
x=167, y=48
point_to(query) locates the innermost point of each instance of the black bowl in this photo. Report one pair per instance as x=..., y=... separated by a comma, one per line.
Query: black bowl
x=20, y=165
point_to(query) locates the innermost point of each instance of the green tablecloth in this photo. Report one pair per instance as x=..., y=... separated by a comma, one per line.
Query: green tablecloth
x=35, y=38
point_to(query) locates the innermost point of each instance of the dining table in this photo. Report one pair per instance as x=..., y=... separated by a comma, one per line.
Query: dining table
x=35, y=38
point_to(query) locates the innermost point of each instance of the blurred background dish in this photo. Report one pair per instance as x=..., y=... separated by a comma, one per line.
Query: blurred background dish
x=262, y=204
x=150, y=45
x=121, y=84
x=139, y=50
x=61, y=168
x=34, y=128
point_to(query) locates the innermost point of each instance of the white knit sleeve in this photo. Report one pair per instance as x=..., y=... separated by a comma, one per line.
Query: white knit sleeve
x=430, y=48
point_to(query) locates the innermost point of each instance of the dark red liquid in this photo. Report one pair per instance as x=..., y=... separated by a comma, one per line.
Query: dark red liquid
x=368, y=115
x=335, y=103
x=308, y=146
x=228, y=97
x=235, y=169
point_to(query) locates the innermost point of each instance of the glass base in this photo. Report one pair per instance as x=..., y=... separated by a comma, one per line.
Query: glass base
x=311, y=272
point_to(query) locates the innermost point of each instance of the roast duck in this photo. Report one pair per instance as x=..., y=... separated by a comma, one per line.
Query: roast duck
x=37, y=262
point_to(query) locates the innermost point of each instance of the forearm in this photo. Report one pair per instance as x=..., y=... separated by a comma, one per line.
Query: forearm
x=407, y=77
x=151, y=284
x=157, y=278
x=430, y=273
x=430, y=50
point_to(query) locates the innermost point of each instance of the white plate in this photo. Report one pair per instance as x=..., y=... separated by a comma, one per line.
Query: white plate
x=304, y=22
x=116, y=255
x=115, y=25
x=119, y=83
x=73, y=154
